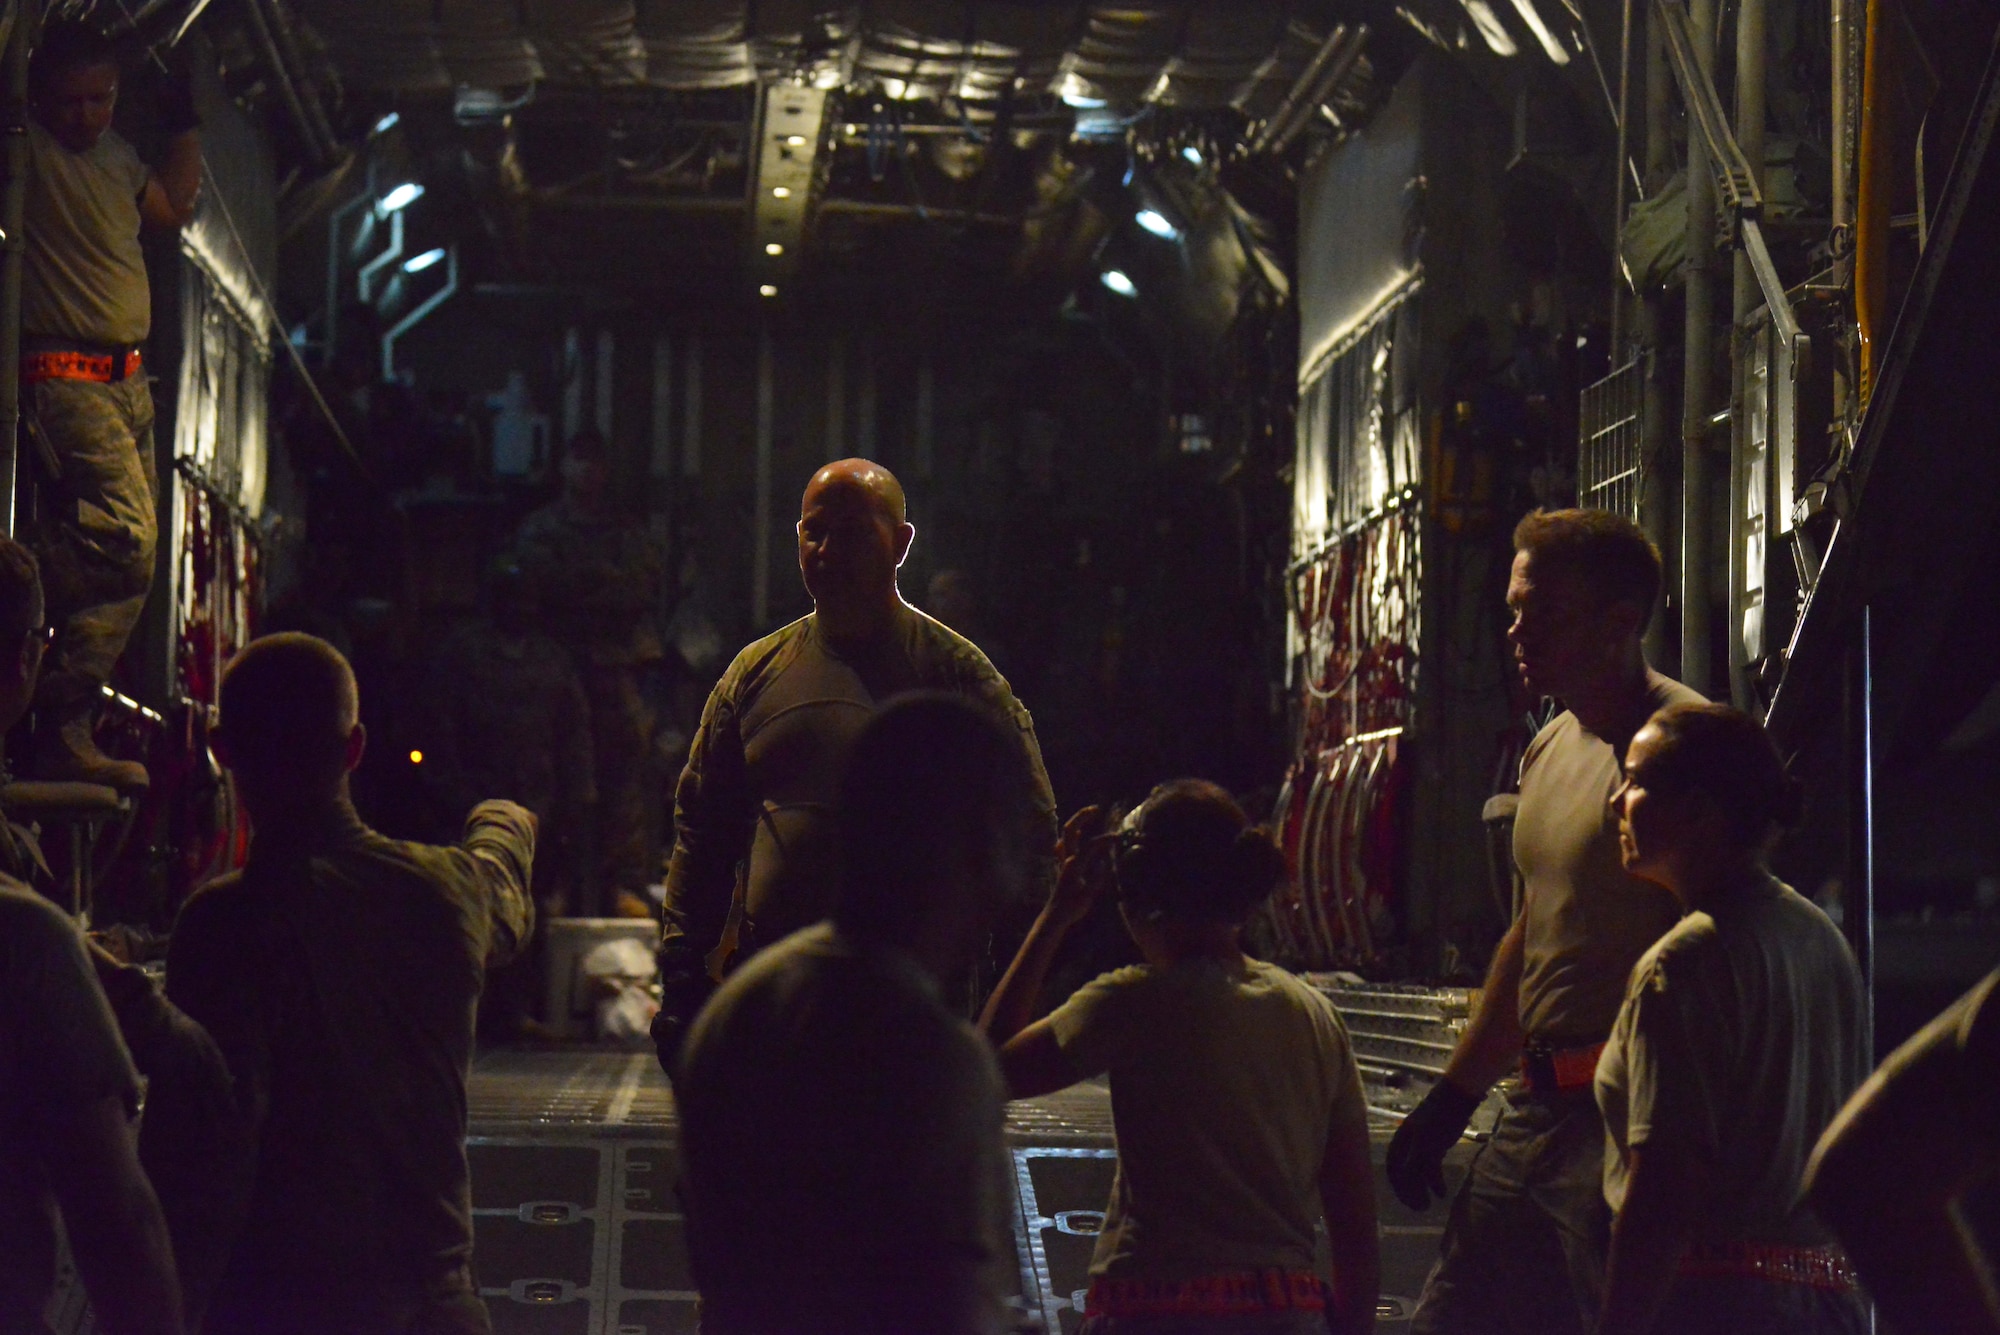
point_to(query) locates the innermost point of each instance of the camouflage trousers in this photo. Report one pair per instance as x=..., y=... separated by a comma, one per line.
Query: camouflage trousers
x=1524, y=1250
x=97, y=524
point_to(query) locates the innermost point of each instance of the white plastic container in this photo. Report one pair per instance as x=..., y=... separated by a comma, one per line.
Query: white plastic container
x=570, y=1007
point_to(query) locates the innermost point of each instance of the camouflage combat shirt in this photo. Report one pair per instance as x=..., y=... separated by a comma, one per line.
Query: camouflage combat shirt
x=764, y=772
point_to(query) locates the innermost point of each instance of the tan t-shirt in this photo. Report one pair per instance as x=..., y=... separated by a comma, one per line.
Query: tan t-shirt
x=1588, y=921
x=84, y=276
x=1739, y=1039
x=1223, y=1093
x=842, y=1140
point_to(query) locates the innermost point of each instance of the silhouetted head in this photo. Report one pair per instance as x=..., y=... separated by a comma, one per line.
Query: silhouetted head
x=1190, y=854
x=23, y=630
x=290, y=725
x=1583, y=587
x=73, y=82
x=938, y=826
x=1703, y=783
x=854, y=531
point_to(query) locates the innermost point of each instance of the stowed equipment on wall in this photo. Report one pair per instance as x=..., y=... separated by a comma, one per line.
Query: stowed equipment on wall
x=1355, y=605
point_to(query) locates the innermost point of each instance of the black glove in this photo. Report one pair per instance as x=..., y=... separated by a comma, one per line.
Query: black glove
x=685, y=988
x=1417, y=1150
x=173, y=101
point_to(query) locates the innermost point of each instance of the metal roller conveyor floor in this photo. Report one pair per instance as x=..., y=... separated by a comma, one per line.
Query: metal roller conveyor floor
x=579, y=1230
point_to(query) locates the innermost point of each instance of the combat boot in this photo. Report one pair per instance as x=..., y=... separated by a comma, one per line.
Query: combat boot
x=66, y=751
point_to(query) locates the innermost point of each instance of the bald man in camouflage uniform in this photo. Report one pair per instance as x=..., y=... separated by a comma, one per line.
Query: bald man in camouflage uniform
x=753, y=825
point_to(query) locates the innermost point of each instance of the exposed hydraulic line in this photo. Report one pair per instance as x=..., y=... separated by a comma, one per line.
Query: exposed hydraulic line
x=320, y=152
x=1308, y=77
x=1871, y=221
x=1746, y=297
x=1622, y=114
x=1696, y=368
x=295, y=68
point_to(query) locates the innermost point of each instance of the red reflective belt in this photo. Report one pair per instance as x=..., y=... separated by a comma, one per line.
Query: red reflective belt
x=1814, y=1267
x=102, y=367
x=1233, y=1294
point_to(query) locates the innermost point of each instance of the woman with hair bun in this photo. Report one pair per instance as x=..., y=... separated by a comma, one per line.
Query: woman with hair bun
x=1234, y=1095
x=1740, y=1037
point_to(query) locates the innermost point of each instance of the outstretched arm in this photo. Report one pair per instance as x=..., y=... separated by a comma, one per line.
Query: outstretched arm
x=1030, y=1058
x=500, y=836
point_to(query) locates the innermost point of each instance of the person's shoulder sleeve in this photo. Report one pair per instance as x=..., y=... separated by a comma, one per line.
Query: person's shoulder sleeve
x=1676, y=1045
x=1666, y=691
x=67, y=1046
x=500, y=842
x=1102, y=1020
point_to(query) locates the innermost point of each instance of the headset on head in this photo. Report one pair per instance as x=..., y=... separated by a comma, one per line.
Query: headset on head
x=1131, y=858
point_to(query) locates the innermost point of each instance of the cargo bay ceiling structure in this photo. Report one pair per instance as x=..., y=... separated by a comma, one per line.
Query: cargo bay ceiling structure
x=717, y=145
x=729, y=147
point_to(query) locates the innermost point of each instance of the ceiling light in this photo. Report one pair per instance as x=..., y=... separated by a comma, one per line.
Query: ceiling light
x=1116, y=280
x=419, y=263
x=1191, y=155
x=402, y=196
x=388, y=122
x=773, y=248
x=1156, y=222
x=795, y=141
x=1490, y=27
x=1533, y=18
x=781, y=192
x=768, y=290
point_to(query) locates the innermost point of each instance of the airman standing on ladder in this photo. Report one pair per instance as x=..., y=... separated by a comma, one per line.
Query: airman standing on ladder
x=85, y=311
